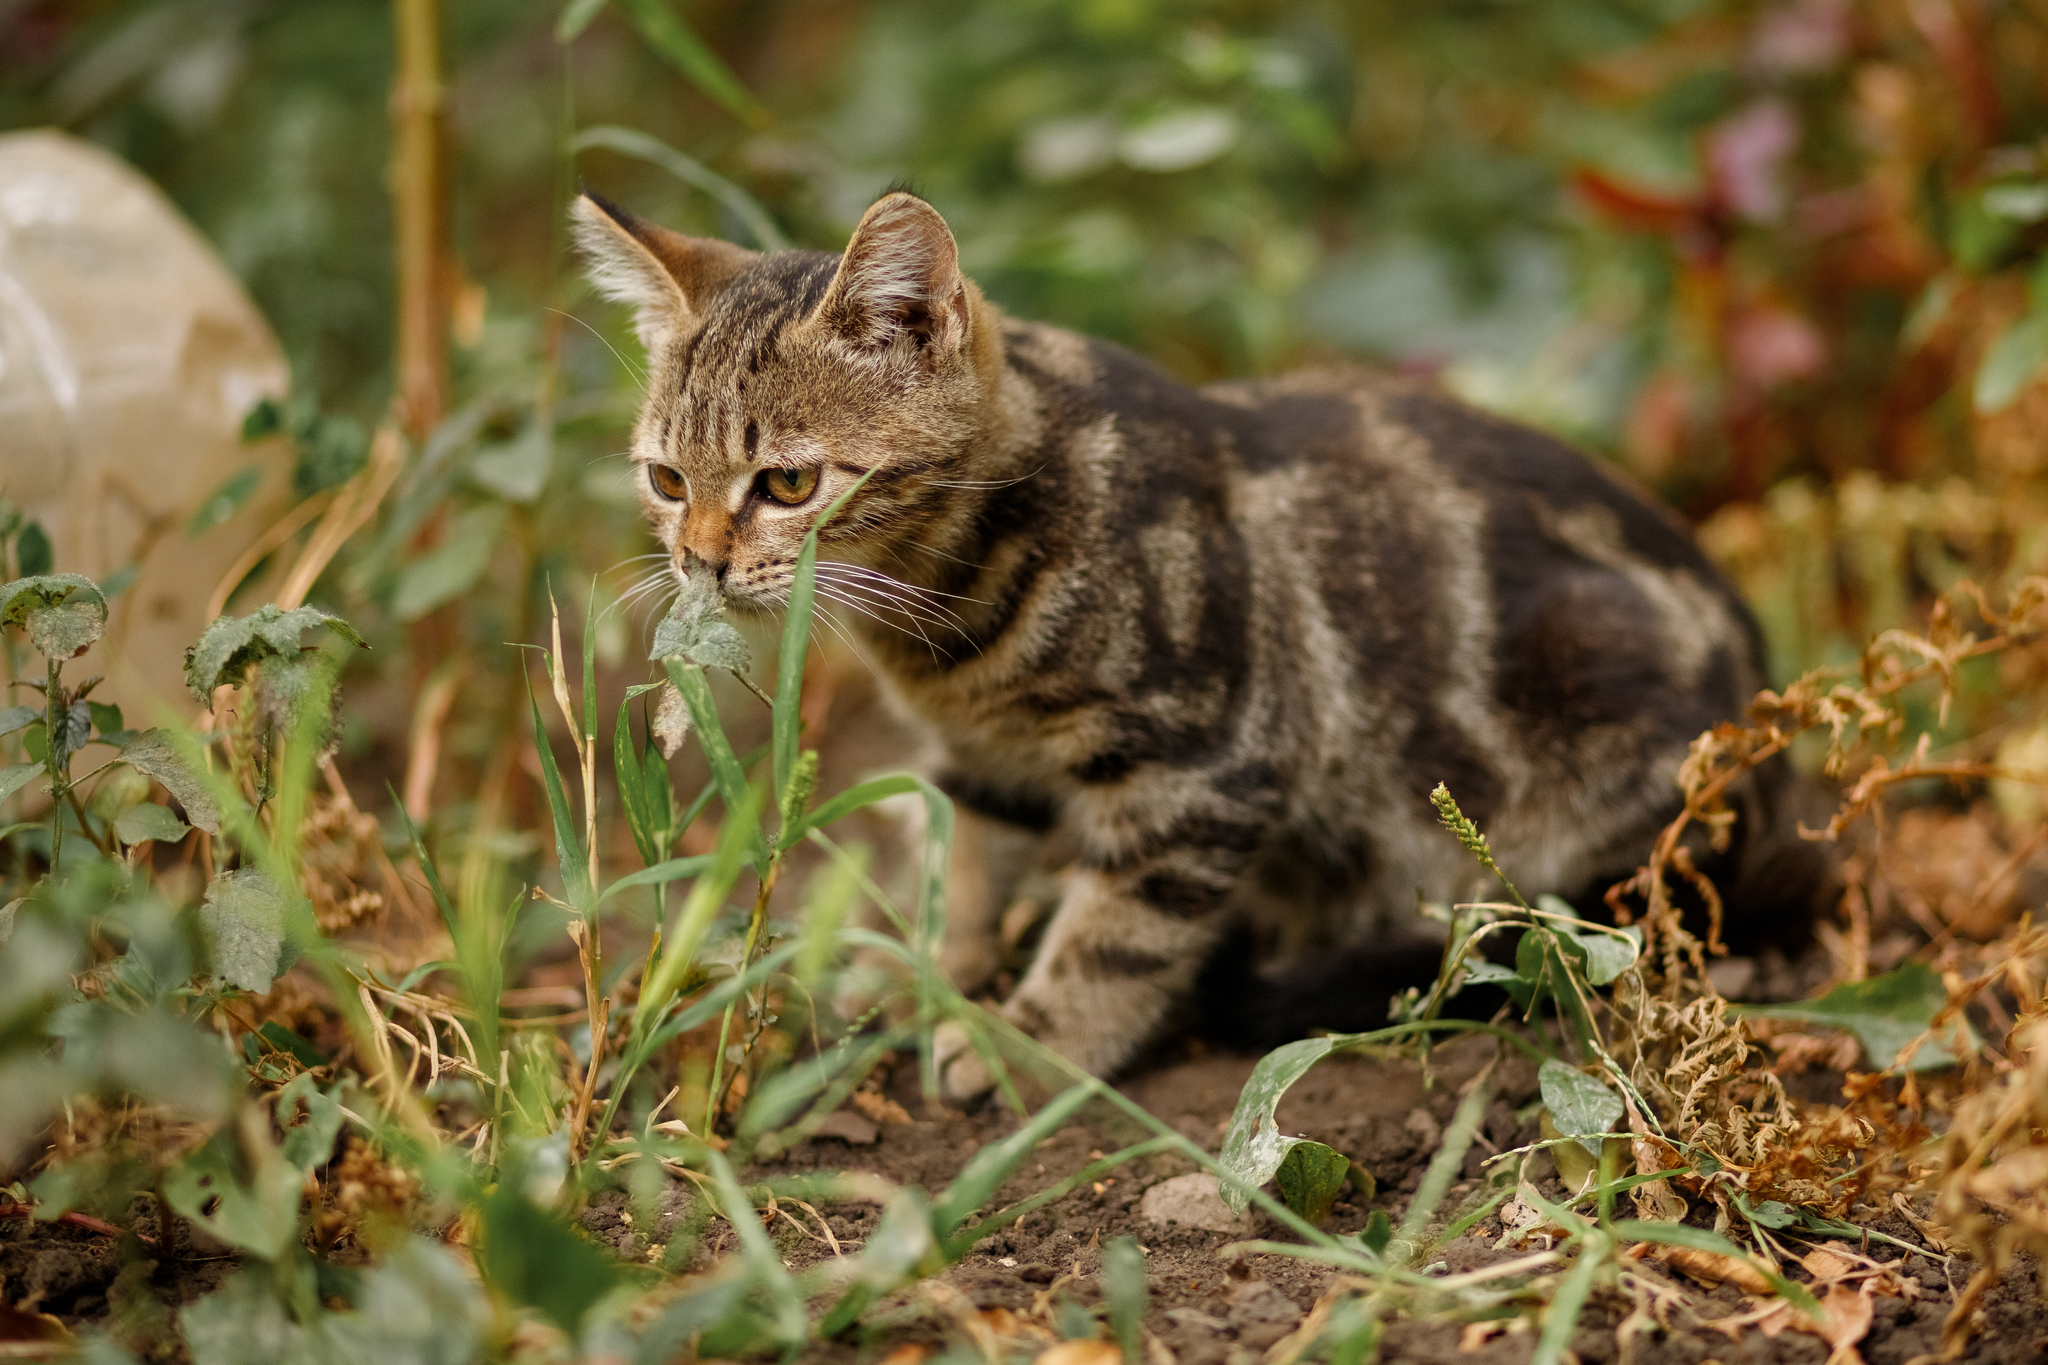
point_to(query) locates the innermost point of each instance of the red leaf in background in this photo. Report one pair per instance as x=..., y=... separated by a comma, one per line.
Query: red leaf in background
x=1631, y=206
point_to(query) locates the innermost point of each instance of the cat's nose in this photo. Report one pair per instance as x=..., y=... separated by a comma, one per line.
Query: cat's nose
x=694, y=564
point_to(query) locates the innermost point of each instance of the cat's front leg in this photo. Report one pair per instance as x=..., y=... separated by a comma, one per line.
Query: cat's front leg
x=1122, y=953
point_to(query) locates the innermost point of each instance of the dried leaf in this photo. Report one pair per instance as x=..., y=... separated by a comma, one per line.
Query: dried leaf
x=1712, y=1267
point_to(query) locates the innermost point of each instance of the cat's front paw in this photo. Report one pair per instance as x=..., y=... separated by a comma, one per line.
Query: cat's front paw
x=963, y=1076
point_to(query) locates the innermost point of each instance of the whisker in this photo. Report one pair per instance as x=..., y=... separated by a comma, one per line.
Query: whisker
x=935, y=613
x=983, y=483
x=845, y=600
x=842, y=565
x=639, y=375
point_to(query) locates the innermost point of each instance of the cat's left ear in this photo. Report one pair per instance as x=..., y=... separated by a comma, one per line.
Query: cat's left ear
x=899, y=279
x=667, y=277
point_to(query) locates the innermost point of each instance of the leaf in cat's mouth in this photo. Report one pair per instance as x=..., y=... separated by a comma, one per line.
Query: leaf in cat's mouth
x=695, y=629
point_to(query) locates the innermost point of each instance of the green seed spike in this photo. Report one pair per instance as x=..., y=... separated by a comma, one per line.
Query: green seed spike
x=803, y=780
x=1458, y=823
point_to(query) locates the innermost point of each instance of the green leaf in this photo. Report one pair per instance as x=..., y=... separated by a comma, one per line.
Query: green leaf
x=695, y=632
x=63, y=613
x=680, y=46
x=1311, y=1175
x=634, y=791
x=537, y=1261
x=1561, y=1315
x=1123, y=1287
x=1885, y=1013
x=155, y=754
x=789, y=1324
x=661, y=874
x=1377, y=1232
x=331, y=451
x=900, y=1246
x=1253, y=1148
x=105, y=718
x=516, y=470
x=244, y=921
x=451, y=568
x=148, y=823
x=224, y=501
x=232, y=645
x=309, y=1142
x=685, y=931
x=2010, y=363
x=32, y=550
x=14, y=778
x=265, y=419
x=19, y=717
x=1578, y=1103
x=282, y=1039
x=259, y=1215
x=417, y=1307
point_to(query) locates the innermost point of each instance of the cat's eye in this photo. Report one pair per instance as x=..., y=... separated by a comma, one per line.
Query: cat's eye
x=668, y=482
x=790, y=486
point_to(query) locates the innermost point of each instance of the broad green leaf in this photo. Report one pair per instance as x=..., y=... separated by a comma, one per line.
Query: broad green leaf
x=2010, y=363
x=1377, y=1232
x=244, y=921
x=17, y=717
x=1310, y=1176
x=63, y=613
x=260, y=1216
x=1123, y=1287
x=244, y=1322
x=1885, y=1013
x=14, y=778
x=149, y=822
x=1578, y=1103
x=451, y=568
x=680, y=46
x=418, y=1306
x=1253, y=1148
x=32, y=551
x=229, y=647
x=105, y=718
x=308, y=1142
x=154, y=753
x=695, y=632
x=537, y=1261
x=331, y=451
x=516, y=470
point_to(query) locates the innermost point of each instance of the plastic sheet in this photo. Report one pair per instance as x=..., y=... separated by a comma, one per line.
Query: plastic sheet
x=128, y=358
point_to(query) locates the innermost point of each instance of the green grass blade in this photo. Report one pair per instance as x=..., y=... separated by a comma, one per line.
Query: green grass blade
x=789, y=663
x=661, y=874
x=758, y=1257
x=1123, y=1286
x=689, y=54
x=644, y=147
x=568, y=843
x=1445, y=1165
x=1562, y=1314
x=680, y=940
x=427, y=868
x=988, y=1168
x=1699, y=1239
x=633, y=790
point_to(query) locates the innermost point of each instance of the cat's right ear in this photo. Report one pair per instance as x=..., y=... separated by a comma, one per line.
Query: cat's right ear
x=667, y=277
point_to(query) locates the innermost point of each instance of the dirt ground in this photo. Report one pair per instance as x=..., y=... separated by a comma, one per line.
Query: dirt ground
x=1209, y=1305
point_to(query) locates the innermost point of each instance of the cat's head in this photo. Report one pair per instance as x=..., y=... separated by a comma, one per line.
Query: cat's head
x=775, y=381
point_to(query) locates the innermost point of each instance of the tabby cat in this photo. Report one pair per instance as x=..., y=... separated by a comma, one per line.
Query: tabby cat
x=1215, y=640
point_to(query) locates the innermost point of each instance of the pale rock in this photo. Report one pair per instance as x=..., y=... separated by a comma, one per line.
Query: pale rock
x=1192, y=1201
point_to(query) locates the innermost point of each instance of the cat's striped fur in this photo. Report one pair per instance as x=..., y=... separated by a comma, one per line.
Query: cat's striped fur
x=1207, y=635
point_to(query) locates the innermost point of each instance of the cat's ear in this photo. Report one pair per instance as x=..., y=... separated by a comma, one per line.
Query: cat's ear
x=900, y=277
x=667, y=277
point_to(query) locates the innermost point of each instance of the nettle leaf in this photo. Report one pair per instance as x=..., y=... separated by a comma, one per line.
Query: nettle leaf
x=695, y=631
x=1311, y=1176
x=1253, y=1148
x=13, y=779
x=538, y=1261
x=1579, y=1104
x=149, y=823
x=63, y=613
x=1886, y=1013
x=261, y=1215
x=19, y=718
x=244, y=920
x=154, y=754
x=234, y=644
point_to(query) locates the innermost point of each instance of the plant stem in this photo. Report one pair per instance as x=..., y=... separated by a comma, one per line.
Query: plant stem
x=754, y=926
x=53, y=700
x=418, y=208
